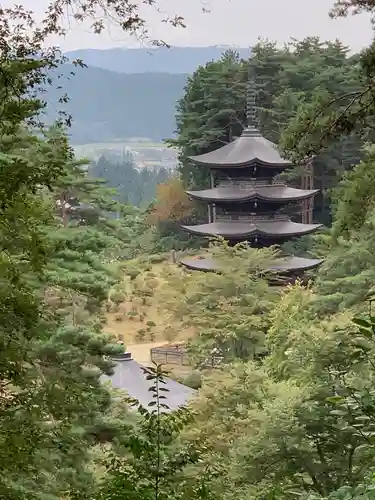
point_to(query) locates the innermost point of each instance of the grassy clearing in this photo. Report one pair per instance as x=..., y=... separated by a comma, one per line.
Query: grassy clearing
x=139, y=320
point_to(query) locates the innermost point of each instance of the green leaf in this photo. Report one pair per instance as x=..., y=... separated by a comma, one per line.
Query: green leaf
x=362, y=322
x=335, y=399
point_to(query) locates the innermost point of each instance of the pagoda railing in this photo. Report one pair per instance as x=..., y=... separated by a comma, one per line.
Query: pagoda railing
x=246, y=183
x=238, y=217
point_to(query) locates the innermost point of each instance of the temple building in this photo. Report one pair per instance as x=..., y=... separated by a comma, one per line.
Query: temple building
x=247, y=201
x=131, y=377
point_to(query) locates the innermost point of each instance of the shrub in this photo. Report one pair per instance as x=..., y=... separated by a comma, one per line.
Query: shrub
x=193, y=380
x=151, y=275
x=117, y=297
x=133, y=273
x=156, y=259
x=141, y=334
x=152, y=283
x=132, y=314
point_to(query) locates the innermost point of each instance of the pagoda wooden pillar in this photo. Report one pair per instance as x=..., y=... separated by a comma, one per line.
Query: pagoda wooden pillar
x=307, y=182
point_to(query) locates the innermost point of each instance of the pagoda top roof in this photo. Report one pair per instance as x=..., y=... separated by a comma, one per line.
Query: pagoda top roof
x=251, y=148
x=282, y=265
x=266, y=193
x=241, y=229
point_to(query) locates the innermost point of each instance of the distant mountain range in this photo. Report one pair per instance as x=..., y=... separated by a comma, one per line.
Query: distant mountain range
x=108, y=106
x=155, y=60
x=126, y=93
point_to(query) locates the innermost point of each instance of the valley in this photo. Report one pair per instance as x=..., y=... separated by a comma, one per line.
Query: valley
x=145, y=153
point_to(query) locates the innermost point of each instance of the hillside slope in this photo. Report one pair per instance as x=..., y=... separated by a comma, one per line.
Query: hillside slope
x=106, y=105
x=169, y=60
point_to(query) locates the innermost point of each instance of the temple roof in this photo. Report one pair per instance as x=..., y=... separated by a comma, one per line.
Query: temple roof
x=200, y=263
x=241, y=229
x=251, y=148
x=285, y=264
x=289, y=264
x=266, y=193
x=130, y=376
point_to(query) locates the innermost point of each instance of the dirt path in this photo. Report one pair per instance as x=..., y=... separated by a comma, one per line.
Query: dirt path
x=141, y=352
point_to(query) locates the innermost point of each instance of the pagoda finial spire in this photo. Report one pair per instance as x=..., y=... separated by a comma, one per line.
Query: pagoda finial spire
x=251, y=98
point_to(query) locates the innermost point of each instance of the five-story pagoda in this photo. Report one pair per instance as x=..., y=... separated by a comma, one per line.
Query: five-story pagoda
x=247, y=201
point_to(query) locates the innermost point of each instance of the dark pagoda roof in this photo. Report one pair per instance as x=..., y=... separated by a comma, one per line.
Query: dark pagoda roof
x=290, y=264
x=130, y=376
x=282, y=265
x=238, y=229
x=251, y=148
x=266, y=193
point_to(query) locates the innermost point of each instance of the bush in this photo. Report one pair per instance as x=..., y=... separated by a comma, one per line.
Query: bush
x=141, y=334
x=117, y=297
x=193, y=380
x=176, y=377
x=152, y=283
x=132, y=314
x=156, y=259
x=133, y=272
x=150, y=274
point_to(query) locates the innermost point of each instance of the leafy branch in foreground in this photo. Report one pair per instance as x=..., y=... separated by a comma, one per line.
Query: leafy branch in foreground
x=342, y=8
x=146, y=461
x=330, y=116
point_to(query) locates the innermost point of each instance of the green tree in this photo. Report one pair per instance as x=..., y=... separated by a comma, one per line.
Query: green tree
x=134, y=186
x=346, y=277
x=211, y=113
x=51, y=393
x=333, y=116
x=354, y=197
x=226, y=310
x=278, y=430
x=147, y=460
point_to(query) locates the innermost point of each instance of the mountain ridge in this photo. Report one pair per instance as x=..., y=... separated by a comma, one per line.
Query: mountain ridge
x=174, y=60
x=108, y=105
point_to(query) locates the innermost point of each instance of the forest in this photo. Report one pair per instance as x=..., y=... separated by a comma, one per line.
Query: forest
x=290, y=410
x=133, y=186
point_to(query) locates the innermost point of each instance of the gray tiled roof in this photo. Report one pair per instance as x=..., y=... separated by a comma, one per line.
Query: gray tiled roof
x=249, y=149
x=236, y=229
x=266, y=193
x=286, y=264
x=129, y=376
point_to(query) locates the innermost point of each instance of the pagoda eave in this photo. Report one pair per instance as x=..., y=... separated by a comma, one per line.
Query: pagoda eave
x=286, y=265
x=250, y=149
x=295, y=264
x=238, y=230
x=265, y=193
x=205, y=264
x=254, y=162
x=213, y=230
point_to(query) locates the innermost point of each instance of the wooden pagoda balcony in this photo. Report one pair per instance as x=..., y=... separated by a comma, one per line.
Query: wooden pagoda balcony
x=250, y=218
x=246, y=183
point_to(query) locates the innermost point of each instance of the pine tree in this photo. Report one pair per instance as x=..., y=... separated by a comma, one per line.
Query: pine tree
x=51, y=393
x=211, y=112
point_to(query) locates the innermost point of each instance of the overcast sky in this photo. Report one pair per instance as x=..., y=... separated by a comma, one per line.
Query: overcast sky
x=228, y=22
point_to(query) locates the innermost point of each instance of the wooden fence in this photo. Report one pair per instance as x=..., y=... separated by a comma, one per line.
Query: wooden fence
x=170, y=355
x=176, y=354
